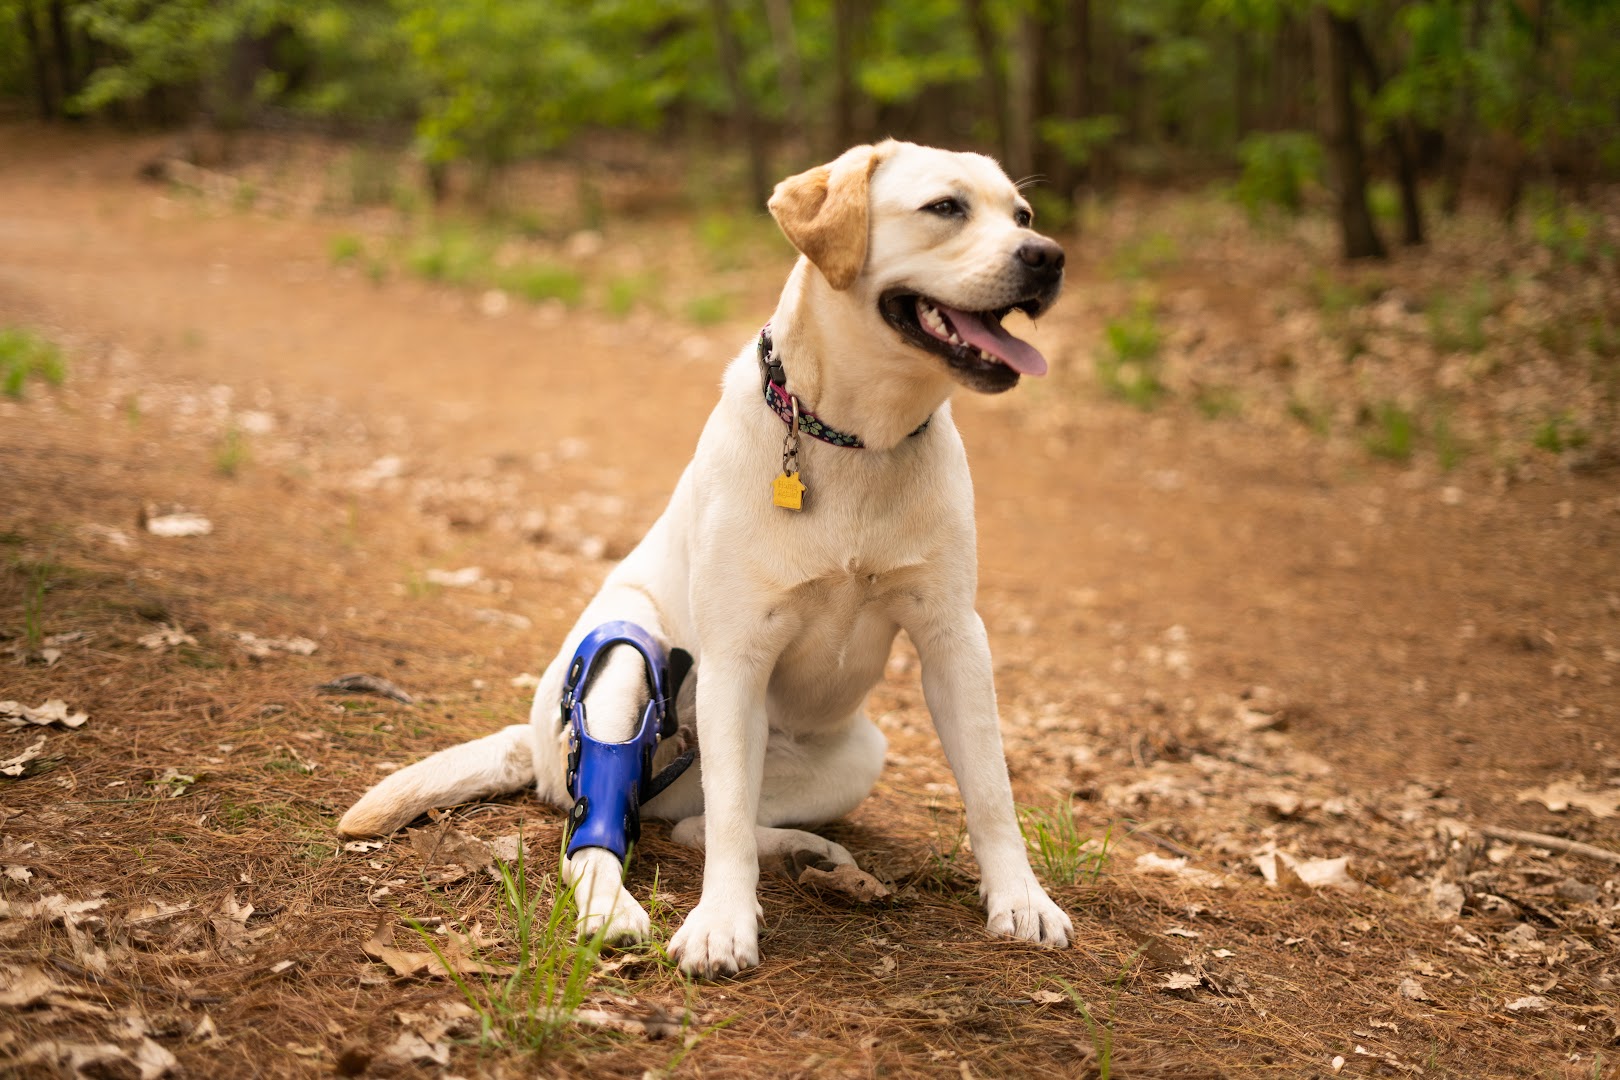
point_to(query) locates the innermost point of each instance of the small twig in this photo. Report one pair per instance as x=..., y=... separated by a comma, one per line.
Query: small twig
x=1165, y=842
x=1552, y=843
x=144, y=988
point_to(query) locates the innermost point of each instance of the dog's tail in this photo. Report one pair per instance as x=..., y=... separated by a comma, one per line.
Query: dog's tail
x=492, y=765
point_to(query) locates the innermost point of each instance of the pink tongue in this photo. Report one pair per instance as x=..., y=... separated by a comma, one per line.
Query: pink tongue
x=1016, y=353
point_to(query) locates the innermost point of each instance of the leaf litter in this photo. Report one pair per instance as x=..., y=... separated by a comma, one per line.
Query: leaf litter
x=51, y=712
x=1189, y=777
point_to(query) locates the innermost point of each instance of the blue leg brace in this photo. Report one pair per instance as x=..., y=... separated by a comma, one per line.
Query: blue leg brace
x=611, y=780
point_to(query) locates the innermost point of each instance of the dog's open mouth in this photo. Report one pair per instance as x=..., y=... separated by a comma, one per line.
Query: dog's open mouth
x=972, y=342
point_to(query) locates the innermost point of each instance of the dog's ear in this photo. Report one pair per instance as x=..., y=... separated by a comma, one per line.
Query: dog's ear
x=823, y=212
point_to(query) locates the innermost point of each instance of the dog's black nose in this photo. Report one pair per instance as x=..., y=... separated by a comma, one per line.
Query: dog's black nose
x=1041, y=255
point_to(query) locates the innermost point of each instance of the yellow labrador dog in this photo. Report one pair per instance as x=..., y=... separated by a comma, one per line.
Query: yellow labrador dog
x=911, y=257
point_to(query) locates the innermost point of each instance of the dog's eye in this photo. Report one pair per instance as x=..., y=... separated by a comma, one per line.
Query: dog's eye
x=1023, y=218
x=946, y=208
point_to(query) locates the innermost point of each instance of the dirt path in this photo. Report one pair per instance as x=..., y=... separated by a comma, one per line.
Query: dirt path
x=1428, y=647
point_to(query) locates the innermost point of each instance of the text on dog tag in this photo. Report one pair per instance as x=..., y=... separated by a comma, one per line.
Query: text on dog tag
x=787, y=492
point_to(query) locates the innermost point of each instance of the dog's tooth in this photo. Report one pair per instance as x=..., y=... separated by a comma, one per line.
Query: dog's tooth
x=954, y=339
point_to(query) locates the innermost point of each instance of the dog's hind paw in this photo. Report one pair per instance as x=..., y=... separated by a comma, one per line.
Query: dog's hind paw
x=1027, y=913
x=716, y=941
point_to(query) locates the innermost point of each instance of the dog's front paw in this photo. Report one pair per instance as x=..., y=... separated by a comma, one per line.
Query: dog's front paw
x=717, y=940
x=624, y=924
x=1024, y=911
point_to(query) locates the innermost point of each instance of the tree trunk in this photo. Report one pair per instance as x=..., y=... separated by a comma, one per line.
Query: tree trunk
x=1340, y=128
x=995, y=91
x=1459, y=136
x=41, y=63
x=791, y=73
x=1023, y=88
x=1401, y=138
x=1073, y=92
x=67, y=82
x=759, y=187
x=846, y=17
x=1518, y=172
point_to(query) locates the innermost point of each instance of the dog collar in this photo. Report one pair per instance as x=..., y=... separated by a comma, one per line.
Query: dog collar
x=784, y=405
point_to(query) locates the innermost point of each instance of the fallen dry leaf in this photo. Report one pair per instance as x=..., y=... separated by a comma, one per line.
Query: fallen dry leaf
x=1527, y=1004
x=173, y=783
x=408, y=964
x=1180, y=981
x=1445, y=899
x=1303, y=876
x=847, y=881
x=446, y=846
x=149, y=1060
x=1560, y=795
x=1150, y=862
x=1413, y=990
x=166, y=637
x=655, y=1025
x=1047, y=997
x=54, y=711
x=27, y=987
x=465, y=578
x=261, y=648
x=409, y=1048
x=17, y=765
x=53, y=908
x=175, y=523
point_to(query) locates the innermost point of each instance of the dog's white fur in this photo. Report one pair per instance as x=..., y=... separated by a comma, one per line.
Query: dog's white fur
x=791, y=616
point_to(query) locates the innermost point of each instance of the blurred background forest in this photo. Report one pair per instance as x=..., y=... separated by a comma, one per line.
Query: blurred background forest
x=1483, y=96
x=1392, y=223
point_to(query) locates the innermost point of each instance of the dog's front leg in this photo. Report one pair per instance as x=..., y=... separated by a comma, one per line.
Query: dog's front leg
x=960, y=689
x=721, y=935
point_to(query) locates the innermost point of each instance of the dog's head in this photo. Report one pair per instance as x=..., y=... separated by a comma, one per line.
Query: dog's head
x=935, y=244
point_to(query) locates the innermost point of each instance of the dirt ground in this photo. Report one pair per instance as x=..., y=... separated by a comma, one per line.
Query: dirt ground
x=1238, y=645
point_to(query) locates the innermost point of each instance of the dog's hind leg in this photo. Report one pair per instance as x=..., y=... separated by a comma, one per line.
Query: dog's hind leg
x=807, y=782
x=492, y=765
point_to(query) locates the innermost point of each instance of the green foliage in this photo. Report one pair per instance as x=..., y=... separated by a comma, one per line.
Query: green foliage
x=1144, y=255
x=916, y=47
x=232, y=454
x=1215, y=402
x=489, y=82
x=1128, y=368
x=25, y=355
x=508, y=80
x=1559, y=433
x=1448, y=448
x=1278, y=167
x=37, y=576
x=1571, y=235
x=1057, y=848
x=345, y=249
x=623, y=294
x=451, y=255
x=1394, y=433
x=538, y=995
x=1457, y=324
x=1077, y=141
x=181, y=43
x=709, y=309
x=536, y=282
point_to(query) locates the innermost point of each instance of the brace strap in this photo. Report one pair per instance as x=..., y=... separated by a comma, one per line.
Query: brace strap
x=611, y=780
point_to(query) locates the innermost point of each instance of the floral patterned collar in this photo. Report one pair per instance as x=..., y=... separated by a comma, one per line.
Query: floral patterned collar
x=774, y=378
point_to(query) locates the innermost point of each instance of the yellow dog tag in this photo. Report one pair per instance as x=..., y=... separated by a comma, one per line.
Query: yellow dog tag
x=787, y=492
